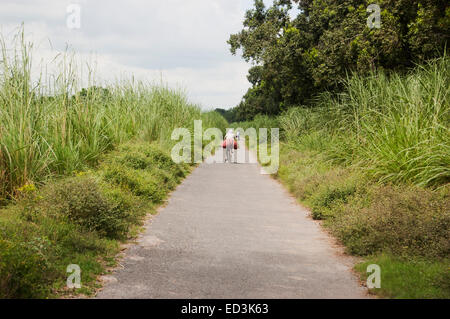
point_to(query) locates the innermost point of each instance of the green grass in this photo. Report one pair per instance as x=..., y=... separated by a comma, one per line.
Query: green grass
x=411, y=278
x=395, y=128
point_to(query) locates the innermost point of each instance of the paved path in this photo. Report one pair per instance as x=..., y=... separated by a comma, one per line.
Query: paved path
x=230, y=232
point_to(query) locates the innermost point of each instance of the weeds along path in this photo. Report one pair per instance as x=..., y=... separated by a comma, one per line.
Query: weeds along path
x=230, y=232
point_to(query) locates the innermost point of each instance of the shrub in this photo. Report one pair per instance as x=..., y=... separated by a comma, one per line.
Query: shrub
x=144, y=156
x=125, y=200
x=398, y=220
x=139, y=182
x=144, y=169
x=81, y=201
x=34, y=255
x=135, y=160
x=369, y=218
x=329, y=196
x=25, y=269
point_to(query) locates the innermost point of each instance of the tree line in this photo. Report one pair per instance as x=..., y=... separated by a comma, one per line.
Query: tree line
x=296, y=58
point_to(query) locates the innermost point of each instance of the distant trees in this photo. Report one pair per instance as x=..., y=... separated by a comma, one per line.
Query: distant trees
x=229, y=115
x=94, y=91
x=294, y=59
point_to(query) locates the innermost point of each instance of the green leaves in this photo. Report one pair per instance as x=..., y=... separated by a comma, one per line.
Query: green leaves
x=300, y=57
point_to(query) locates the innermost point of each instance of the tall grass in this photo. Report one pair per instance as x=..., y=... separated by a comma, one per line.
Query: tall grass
x=51, y=126
x=395, y=127
x=390, y=128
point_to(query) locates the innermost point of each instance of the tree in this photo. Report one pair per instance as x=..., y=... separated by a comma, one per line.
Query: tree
x=229, y=115
x=296, y=58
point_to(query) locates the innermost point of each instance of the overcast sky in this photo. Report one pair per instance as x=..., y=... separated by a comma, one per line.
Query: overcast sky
x=181, y=41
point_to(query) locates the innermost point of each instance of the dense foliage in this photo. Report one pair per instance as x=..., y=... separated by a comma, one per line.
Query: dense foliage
x=56, y=127
x=396, y=128
x=372, y=162
x=80, y=168
x=81, y=220
x=296, y=58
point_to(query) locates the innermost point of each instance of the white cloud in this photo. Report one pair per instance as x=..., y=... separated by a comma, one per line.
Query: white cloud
x=182, y=40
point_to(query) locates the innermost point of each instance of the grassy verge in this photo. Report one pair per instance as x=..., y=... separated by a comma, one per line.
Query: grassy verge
x=403, y=229
x=80, y=168
x=372, y=163
x=409, y=278
x=82, y=220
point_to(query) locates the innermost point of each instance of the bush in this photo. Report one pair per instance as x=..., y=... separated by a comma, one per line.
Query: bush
x=369, y=218
x=34, y=253
x=398, y=220
x=144, y=169
x=81, y=200
x=77, y=220
x=328, y=197
x=18, y=275
x=139, y=182
x=409, y=224
x=25, y=268
x=135, y=206
x=144, y=156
